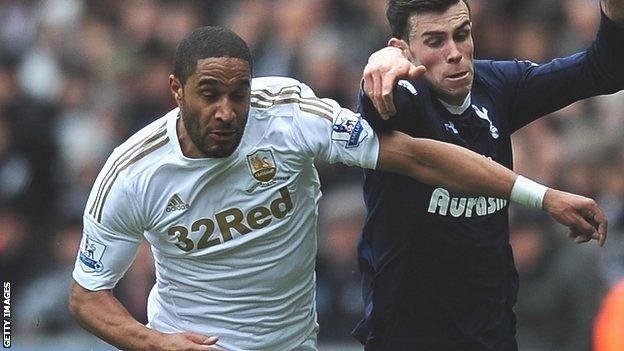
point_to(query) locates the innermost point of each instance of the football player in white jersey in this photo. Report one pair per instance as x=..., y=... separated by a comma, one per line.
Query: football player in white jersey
x=225, y=191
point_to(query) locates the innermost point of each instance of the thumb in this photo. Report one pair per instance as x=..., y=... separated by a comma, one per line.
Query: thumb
x=416, y=72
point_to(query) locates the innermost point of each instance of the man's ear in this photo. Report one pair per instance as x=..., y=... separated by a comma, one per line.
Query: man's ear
x=177, y=90
x=401, y=44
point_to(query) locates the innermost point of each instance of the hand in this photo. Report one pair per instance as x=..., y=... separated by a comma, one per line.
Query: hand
x=581, y=215
x=385, y=67
x=186, y=342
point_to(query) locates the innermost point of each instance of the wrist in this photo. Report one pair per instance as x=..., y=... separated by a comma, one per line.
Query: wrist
x=528, y=193
x=152, y=340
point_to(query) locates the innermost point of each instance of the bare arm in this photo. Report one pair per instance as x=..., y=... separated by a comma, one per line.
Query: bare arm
x=464, y=171
x=103, y=315
x=448, y=165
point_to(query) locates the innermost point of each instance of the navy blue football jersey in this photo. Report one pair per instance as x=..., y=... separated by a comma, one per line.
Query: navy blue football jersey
x=437, y=268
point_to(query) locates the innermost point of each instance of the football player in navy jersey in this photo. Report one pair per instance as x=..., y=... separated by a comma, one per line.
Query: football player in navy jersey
x=437, y=268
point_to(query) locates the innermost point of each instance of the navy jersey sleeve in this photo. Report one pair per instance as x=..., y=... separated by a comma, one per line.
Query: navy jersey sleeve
x=403, y=102
x=533, y=90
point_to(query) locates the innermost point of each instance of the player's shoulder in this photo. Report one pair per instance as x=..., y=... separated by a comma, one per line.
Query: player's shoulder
x=497, y=69
x=275, y=95
x=275, y=84
x=287, y=97
x=143, y=148
x=129, y=158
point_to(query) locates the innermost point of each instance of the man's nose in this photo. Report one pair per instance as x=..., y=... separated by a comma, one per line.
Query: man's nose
x=225, y=110
x=453, y=55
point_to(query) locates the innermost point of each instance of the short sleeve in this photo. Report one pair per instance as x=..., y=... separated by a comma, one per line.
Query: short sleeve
x=336, y=134
x=112, y=232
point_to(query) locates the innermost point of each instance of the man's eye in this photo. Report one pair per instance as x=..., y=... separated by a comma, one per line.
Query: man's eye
x=461, y=36
x=434, y=43
x=239, y=96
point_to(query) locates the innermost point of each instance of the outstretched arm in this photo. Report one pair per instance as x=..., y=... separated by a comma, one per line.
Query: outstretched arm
x=345, y=137
x=464, y=171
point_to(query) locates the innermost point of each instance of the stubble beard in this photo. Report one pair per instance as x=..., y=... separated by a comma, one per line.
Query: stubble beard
x=191, y=125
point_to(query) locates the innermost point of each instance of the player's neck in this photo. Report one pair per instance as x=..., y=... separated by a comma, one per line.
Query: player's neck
x=186, y=144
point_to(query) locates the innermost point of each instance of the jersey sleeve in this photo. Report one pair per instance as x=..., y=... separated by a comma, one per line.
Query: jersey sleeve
x=112, y=232
x=534, y=90
x=404, y=96
x=336, y=134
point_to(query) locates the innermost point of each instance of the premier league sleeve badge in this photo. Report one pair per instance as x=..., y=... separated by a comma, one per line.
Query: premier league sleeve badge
x=90, y=255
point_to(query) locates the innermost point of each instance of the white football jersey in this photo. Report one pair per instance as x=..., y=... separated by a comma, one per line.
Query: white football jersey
x=233, y=239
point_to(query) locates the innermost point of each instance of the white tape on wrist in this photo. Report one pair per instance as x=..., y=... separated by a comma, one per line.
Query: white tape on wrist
x=528, y=193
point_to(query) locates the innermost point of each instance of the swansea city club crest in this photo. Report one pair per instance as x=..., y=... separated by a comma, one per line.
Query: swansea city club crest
x=262, y=165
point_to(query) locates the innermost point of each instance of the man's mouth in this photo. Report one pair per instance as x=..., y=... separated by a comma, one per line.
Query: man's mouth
x=223, y=134
x=458, y=76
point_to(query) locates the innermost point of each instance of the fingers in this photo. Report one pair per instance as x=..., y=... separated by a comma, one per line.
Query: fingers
x=581, y=215
x=600, y=221
x=204, y=342
x=202, y=339
x=381, y=79
x=582, y=239
x=386, y=94
x=594, y=215
x=602, y=230
x=416, y=72
x=389, y=81
x=377, y=96
x=592, y=225
x=368, y=83
x=584, y=228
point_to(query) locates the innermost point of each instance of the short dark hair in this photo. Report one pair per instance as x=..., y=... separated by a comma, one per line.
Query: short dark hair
x=206, y=42
x=399, y=12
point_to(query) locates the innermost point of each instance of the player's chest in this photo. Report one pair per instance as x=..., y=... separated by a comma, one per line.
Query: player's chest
x=191, y=210
x=480, y=127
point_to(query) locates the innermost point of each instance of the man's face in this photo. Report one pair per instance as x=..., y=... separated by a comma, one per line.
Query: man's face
x=442, y=42
x=214, y=103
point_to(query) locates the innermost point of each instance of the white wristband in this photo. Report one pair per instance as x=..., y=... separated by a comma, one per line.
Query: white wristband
x=528, y=193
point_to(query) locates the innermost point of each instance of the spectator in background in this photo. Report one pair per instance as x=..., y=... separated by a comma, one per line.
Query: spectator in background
x=609, y=326
x=555, y=308
x=338, y=279
x=19, y=254
x=42, y=304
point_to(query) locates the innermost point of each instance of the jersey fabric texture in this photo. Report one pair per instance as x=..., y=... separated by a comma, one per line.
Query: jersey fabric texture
x=438, y=270
x=233, y=239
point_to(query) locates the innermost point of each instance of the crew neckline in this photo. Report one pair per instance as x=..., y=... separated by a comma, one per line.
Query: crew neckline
x=457, y=109
x=172, y=131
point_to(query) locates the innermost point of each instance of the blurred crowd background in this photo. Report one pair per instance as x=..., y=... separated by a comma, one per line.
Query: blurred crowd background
x=77, y=77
